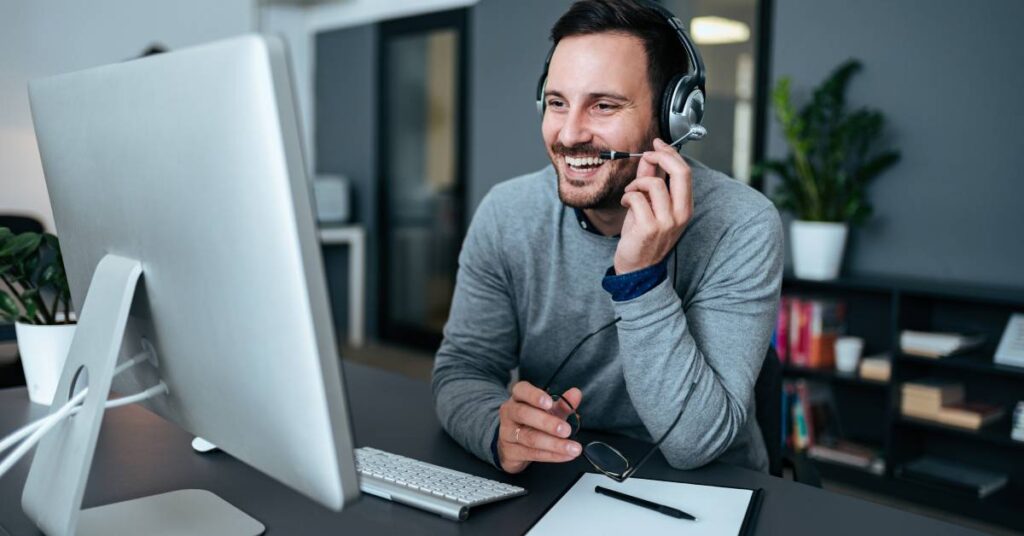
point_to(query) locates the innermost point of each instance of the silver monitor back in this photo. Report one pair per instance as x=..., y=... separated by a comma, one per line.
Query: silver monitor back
x=190, y=163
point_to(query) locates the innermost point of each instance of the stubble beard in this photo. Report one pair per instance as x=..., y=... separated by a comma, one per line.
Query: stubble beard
x=609, y=195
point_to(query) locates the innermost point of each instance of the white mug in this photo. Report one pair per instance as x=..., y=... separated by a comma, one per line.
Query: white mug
x=848, y=350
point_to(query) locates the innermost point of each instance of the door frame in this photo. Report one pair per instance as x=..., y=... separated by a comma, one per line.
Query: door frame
x=456, y=19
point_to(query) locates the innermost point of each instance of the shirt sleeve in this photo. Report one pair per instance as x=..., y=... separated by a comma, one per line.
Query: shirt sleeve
x=473, y=365
x=717, y=341
x=632, y=285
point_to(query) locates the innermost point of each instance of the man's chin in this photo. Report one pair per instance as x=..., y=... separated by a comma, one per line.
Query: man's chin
x=581, y=195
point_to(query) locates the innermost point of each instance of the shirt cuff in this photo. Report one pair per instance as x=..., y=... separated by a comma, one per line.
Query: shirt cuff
x=632, y=285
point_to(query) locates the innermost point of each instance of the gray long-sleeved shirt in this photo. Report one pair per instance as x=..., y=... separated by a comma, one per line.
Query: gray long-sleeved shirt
x=529, y=288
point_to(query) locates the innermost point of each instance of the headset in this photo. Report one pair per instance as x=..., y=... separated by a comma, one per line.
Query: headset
x=682, y=101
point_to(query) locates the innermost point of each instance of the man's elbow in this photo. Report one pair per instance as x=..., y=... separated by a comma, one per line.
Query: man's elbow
x=701, y=449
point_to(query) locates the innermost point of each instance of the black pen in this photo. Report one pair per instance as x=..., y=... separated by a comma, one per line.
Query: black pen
x=667, y=510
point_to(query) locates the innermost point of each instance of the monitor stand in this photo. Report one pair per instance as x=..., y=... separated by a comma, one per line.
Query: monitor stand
x=56, y=481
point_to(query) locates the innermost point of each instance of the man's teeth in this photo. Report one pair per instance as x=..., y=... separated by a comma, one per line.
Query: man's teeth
x=586, y=161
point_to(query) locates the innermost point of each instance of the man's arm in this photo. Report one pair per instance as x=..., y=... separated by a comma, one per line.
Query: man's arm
x=719, y=342
x=473, y=364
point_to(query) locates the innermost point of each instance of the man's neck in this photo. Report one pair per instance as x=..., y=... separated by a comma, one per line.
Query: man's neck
x=608, y=221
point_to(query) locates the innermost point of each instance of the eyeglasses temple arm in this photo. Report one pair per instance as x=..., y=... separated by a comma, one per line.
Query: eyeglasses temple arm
x=671, y=427
x=573, y=351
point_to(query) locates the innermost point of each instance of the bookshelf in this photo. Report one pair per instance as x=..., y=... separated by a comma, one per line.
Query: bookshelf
x=878, y=309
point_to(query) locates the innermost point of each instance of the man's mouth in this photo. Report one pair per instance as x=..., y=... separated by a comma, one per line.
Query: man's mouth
x=583, y=165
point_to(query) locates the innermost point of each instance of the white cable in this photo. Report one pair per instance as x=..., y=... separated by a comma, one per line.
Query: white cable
x=23, y=448
x=31, y=427
x=13, y=438
x=40, y=427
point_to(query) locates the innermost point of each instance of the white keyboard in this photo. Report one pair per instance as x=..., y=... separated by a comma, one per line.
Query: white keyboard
x=429, y=487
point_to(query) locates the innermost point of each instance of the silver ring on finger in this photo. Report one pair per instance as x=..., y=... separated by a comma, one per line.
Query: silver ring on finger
x=518, y=429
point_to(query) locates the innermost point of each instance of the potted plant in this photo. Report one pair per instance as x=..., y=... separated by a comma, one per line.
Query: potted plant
x=34, y=294
x=833, y=156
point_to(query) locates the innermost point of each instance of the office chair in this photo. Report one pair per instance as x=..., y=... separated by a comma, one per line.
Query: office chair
x=768, y=399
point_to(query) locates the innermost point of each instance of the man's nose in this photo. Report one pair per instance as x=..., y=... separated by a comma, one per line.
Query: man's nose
x=575, y=130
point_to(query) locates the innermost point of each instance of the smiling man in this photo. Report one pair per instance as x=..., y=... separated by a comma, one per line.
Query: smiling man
x=651, y=274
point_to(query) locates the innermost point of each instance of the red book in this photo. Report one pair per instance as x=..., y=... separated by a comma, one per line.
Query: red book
x=782, y=331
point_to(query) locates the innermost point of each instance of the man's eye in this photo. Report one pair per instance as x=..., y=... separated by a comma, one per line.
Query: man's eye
x=607, y=107
x=555, y=103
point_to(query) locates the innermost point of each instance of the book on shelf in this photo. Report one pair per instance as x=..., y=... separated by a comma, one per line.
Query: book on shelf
x=1017, y=430
x=970, y=415
x=876, y=368
x=930, y=394
x=937, y=345
x=806, y=331
x=942, y=401
x=848, y=453
x=809, y=415
x=954, y=475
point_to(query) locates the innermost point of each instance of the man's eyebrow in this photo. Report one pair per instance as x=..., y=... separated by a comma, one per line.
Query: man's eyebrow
x=591, y=96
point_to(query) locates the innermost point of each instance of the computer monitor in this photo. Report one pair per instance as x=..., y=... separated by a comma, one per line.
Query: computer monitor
x=183, y=209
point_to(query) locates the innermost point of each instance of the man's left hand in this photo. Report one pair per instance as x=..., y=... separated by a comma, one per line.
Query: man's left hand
x=658, y=212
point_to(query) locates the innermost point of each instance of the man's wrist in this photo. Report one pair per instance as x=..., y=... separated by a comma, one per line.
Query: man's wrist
x=629, y=285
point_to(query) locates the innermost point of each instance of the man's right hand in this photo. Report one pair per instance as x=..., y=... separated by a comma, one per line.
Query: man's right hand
x=532, y=428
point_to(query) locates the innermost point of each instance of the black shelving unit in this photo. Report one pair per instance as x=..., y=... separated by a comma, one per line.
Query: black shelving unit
x=878, y=309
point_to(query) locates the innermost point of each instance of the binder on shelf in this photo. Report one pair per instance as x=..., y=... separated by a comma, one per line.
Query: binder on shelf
x=937, y=345
x=955, y=476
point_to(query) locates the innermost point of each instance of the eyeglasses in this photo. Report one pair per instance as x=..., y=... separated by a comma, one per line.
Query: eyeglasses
x=604, y=457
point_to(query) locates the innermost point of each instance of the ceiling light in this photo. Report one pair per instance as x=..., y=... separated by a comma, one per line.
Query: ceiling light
x=718, y=31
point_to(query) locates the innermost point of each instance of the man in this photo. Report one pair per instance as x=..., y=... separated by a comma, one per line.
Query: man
x=688, y=259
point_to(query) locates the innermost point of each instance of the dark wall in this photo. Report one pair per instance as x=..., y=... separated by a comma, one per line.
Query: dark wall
x=509, y=43
x=948, y=76
x=507, y=49
x=346, y=143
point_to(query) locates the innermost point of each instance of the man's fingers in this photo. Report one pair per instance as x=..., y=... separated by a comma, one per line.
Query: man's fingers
x=574, y=397
x=526, y=393
x=680, y=178
x=637, y=203
x=646, y=169
x=522, y=414
x=516, y=453
x=538, y=440
x=657, y=191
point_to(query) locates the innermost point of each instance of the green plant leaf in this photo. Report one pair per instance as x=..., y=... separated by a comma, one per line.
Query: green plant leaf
x=9, y=309
x=833, y=151
x=21, y=245
x=876, y=166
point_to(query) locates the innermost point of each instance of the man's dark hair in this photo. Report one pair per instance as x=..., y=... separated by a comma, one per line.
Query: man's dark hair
x=665, y=54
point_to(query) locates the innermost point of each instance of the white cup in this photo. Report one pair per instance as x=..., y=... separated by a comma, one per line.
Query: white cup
x=848, y=350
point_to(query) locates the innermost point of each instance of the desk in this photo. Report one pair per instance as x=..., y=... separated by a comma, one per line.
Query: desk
x=140, y=454
x=355, y=237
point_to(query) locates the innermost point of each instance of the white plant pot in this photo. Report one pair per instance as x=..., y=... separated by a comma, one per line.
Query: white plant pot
x=43, y=351
x=817, y=248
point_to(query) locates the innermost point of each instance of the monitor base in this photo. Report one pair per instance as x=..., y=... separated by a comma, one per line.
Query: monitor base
x=187, y=511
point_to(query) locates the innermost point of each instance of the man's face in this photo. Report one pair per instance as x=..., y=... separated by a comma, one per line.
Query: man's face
x=598, y=99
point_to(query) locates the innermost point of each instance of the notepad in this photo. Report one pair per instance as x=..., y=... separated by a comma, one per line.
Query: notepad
x=719, y=510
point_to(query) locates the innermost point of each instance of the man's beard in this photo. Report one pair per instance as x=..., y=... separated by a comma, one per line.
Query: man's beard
x=609, y=193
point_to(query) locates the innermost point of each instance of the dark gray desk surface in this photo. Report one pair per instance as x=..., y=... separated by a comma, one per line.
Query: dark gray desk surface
x=140, y=454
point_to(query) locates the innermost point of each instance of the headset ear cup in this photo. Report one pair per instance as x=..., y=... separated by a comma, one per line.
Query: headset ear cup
x=672, y=100
x=540, y=93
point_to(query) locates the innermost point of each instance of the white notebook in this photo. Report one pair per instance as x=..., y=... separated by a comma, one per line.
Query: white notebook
x=581, y=510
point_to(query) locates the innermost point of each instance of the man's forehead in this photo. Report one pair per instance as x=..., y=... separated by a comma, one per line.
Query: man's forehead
x=604, y=63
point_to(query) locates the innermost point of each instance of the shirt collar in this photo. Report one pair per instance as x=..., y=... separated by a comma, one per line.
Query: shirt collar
x=586, y=224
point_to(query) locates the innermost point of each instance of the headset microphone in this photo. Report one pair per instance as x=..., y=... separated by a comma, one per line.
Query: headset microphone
x=696, y=132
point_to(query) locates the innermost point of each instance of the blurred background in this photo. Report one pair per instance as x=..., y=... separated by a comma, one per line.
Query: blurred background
x=413, y=109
